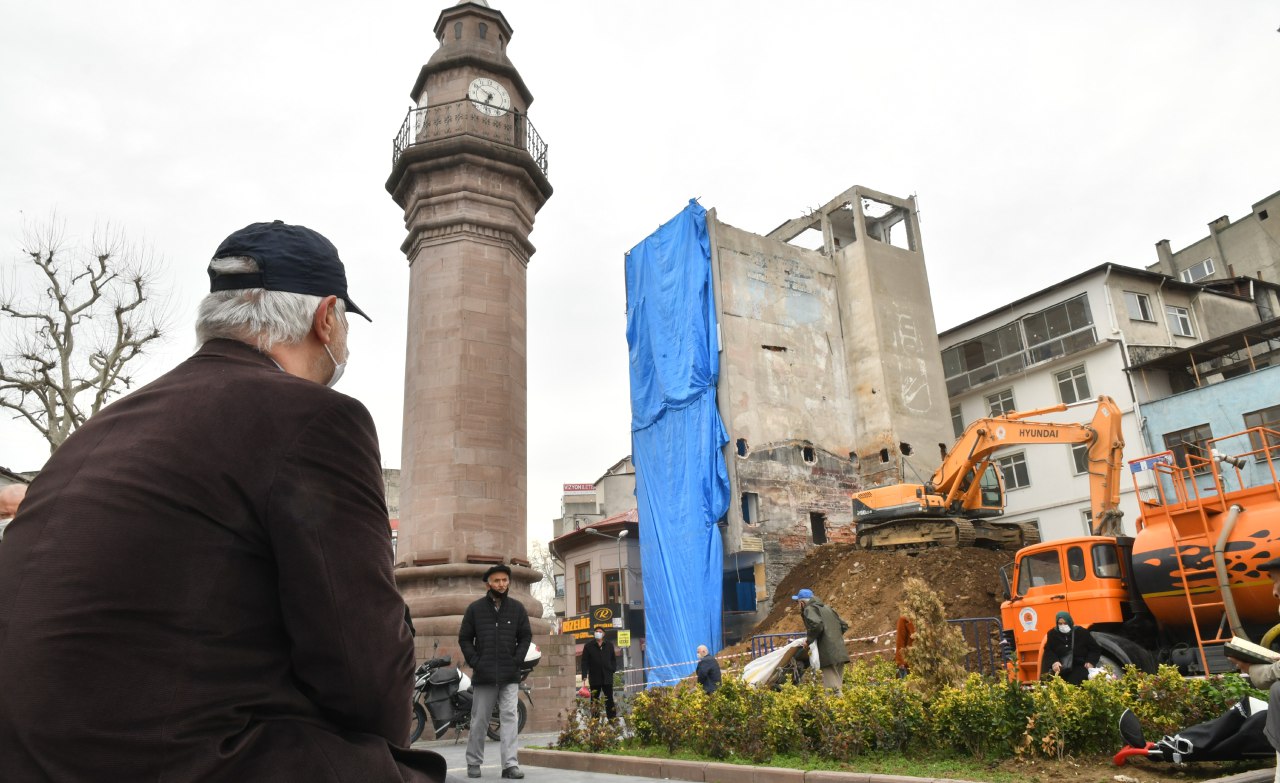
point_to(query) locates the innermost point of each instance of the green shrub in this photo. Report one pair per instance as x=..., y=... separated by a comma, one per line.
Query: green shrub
x=879, y=713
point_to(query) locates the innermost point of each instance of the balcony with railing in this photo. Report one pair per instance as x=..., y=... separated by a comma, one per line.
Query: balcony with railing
x=1019, y=361
x=459, y=118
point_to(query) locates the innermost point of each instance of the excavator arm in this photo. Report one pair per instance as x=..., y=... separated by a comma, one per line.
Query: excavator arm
x=963, y=488
x=954, y=478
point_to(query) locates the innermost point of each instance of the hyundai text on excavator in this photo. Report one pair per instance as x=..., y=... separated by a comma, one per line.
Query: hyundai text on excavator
x=961, y=503
x=1179, y=589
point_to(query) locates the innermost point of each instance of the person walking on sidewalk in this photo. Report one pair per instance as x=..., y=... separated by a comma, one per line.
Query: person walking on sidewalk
x=599, y=662
x=494, y=638
x=825, y=627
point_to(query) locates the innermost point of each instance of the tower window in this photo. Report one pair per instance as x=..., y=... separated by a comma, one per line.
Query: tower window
x=484, y=31
x=457, y=30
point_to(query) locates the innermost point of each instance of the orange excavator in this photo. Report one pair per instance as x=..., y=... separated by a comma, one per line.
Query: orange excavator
x=961, y=503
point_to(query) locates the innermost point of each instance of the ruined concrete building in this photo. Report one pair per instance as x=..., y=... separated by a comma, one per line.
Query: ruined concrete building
x=830, y=378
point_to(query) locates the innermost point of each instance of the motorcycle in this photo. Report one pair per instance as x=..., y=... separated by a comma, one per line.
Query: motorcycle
x=443, y=691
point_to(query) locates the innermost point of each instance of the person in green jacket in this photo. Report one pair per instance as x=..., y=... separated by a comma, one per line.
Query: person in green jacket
x=825, y=627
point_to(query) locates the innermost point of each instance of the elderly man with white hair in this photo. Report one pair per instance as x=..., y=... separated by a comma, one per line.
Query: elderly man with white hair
x=199, y=586
x=11, y=496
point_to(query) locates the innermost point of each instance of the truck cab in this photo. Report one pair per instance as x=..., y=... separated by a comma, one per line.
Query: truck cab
x=1088, y=578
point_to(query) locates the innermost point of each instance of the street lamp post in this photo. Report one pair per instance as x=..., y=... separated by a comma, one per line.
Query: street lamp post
x=623, y=573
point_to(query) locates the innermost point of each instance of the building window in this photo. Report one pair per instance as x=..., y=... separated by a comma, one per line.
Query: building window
x=957, y=421
x=1269, y=418
x=1197, y=271
x=1086, y=521
x=1073, y=385
x=750, y=508
x=1013, y=469
x=1000, y=402
x=1138, y=306
x=1179, y=320
x=1191, y=441
x=582, y=586
x=818, y=526
x=559, y=578
x=1080, y=458
x=612, y=587
x=1058, y=330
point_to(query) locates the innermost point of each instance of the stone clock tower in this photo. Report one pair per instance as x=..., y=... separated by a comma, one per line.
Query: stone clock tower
x=470, y=172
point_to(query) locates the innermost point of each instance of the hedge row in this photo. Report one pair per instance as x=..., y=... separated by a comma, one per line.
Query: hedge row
x=880, y=712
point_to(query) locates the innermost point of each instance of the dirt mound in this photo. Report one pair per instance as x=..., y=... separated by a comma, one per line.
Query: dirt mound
x=865, y=587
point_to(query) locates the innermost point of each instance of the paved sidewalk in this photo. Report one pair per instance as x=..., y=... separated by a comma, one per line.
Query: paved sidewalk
x=455, y=755
x=548, y=766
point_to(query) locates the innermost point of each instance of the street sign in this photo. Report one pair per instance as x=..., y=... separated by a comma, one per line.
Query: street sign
x=624, y=638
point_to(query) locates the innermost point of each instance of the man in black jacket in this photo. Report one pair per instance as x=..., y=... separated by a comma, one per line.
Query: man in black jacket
x=599, y=662
x=494, y=638
x=708, y=670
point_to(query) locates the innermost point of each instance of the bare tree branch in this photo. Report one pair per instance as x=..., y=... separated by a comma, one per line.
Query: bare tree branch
x=67, y=347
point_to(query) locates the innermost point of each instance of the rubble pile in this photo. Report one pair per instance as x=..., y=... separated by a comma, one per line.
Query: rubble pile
x=865, y=587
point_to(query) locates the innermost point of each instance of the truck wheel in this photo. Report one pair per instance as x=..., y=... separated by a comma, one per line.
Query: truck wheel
x=1118, y=651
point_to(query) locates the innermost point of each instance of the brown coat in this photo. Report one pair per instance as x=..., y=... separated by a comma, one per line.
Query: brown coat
x=199, y=588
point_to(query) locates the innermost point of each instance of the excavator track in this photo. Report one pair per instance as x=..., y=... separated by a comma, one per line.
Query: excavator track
x=1030, y=533
x=951, y=532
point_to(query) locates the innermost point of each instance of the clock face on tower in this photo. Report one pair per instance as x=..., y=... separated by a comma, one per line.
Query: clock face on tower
x=489, y=97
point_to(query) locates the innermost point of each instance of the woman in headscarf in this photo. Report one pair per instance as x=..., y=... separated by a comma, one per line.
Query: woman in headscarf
x=1069, y=651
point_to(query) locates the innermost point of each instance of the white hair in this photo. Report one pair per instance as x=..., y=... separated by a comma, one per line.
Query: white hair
x=255, y=315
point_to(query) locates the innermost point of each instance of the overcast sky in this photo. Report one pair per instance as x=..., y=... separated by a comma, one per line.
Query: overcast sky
x=1040, y=139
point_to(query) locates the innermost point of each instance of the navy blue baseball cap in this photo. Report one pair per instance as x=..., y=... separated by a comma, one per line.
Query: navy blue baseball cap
x=290, y=258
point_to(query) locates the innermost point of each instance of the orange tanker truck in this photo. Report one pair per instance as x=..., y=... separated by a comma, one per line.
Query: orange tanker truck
x=1183, y=585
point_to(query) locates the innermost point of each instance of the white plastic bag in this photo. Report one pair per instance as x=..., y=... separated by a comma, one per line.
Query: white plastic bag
x=760, y=670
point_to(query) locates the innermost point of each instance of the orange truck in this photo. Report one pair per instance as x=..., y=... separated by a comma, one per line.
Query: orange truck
x=1183, y=585
x=961, y=503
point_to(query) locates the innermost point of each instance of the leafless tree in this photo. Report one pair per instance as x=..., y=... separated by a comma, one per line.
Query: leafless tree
x=74, y=321
x=545, y=591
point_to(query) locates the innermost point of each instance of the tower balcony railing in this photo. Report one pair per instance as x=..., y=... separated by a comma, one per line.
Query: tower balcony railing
x=465, y=118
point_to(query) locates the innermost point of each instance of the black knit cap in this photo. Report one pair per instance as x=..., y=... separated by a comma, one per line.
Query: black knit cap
x=499, y=568
x=291, y=258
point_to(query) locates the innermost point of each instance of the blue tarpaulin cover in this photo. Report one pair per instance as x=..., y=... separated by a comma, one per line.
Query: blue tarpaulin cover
x=677, y=437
